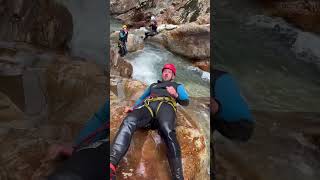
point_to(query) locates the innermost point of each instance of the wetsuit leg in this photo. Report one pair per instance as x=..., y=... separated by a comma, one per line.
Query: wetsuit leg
x=166, y=126
x=146, y=34
x=136, y=119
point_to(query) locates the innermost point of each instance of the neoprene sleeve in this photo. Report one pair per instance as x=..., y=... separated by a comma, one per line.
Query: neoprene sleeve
x=99, y=119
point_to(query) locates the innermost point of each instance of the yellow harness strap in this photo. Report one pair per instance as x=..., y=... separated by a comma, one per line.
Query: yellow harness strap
x=168, y=100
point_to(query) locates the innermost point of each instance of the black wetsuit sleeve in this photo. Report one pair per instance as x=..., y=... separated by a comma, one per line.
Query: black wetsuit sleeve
x=183, y=102
x=241, y=130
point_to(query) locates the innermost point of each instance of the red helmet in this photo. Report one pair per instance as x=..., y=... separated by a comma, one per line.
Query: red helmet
x=171, y=67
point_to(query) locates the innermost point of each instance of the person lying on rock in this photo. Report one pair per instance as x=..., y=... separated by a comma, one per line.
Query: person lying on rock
x=153, y=26
x=123, y=39
x=155, y=109
x=230, y=114
x=86, y=158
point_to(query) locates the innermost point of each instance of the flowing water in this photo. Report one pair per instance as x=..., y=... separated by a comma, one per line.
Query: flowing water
x=271, y=75
x=147, y=65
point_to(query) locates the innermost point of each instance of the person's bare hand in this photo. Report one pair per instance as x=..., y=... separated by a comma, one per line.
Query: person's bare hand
x=172, y=91
x=57, y=150
x=128, y=109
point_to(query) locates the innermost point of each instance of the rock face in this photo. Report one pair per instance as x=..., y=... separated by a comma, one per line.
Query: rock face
x=120, y=7
x=203, y=65
x=189, y=40
x=43, y=23
x=180, y=12
x=24, y=151
x=146, y=157
x=135, y=40
x=163, y=27
x=135, y=43
x=69, y=81
x=303, y=13
x=119, y=66
x=126, y=88
x=171, y=11
x=75, y=89
x=62, y=78
x=288, y=139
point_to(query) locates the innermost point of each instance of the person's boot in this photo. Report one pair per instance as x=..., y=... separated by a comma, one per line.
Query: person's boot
x=176, y=168
x=112, y=172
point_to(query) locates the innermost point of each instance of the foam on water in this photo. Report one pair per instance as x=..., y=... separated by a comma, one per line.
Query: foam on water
x=144, y=67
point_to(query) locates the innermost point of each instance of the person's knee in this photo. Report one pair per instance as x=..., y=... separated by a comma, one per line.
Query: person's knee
x=130, y=122
x=169, y=135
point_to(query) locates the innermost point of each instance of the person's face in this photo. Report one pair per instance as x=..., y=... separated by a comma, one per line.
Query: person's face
x=167, y=75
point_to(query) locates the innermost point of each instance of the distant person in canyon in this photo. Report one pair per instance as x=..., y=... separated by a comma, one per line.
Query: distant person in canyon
x=155, y=109
x=230, y=114
x=87, y=157
x=123, y=39
x=153, y=25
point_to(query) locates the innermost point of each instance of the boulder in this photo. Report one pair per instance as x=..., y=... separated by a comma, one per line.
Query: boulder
x=42, y=23
x=189, y=40
x=135, y=40
x=203, y=65
x=75, y=89
x=304, y=14
x=146, y=157
x=118, y=65
x=171, y=11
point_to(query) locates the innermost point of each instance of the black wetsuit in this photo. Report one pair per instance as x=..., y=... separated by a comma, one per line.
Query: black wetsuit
x=123, y=38
x=233, y=119
x=153, y=31
x=163, y=121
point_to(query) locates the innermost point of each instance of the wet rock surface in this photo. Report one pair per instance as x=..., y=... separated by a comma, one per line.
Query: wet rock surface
x=303, y=13
x=42, y=23
x=119, y=65
x=74, y=89
x=203, y=65
x=189, y=40
x=146, y=157
x=172, y=11
x=283, y=141
x=135, y=40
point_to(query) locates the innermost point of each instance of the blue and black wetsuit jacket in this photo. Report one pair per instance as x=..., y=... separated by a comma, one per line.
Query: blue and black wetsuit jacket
x=123, y=36
x=233, y=119
x=159, y=89
x=97, y=127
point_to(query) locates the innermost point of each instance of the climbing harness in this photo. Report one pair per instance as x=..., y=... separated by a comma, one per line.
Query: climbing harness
x=169, y=100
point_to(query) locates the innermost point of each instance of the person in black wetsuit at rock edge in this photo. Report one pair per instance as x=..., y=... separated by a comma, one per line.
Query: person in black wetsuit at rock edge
x=154, y=26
